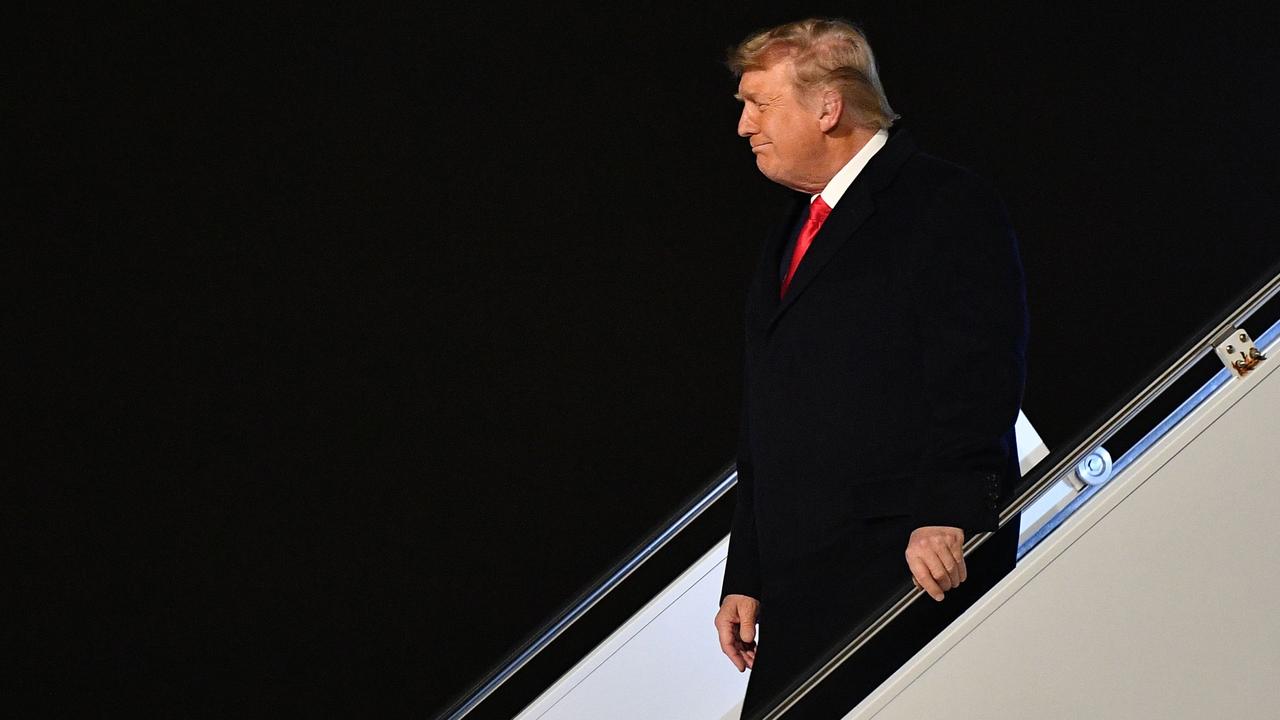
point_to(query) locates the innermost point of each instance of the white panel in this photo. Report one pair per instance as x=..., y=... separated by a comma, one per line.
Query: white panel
x=1157, y=599
x=1031, y=448
x=663, y=663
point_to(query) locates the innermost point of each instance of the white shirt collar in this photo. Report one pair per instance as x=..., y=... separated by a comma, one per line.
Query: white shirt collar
x=834, y=190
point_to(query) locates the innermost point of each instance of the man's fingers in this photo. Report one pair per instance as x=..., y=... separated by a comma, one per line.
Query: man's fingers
x=937, y=569
x=728, y=638
x=729, y=641
x=921, y=573
x=747, y=625
x=734, y=652
x=952, y=567
x=736, y=626
x=957, y=552
x=935, y=555
x=747, y=631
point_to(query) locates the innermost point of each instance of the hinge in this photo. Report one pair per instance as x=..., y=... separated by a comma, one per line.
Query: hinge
x=1238, y=353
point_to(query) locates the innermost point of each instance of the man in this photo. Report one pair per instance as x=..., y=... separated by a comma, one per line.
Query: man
x=885, y=343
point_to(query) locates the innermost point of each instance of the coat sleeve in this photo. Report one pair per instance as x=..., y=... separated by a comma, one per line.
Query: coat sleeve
x=742, y=569
x=969, y=306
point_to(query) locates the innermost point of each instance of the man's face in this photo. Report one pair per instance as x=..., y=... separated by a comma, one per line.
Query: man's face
x=782, y=126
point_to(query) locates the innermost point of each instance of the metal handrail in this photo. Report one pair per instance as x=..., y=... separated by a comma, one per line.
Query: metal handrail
x=1068, y=462
x=724, y=481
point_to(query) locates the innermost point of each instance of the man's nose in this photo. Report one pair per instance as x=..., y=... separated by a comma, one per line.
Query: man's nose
x=746, y=125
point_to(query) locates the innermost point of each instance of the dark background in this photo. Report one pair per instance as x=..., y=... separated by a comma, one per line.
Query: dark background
x=352, y=344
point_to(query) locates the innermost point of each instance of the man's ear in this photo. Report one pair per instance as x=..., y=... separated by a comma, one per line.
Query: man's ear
x=832, y=109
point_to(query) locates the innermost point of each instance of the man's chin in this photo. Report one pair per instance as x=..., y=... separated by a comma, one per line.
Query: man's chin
x=769, y=172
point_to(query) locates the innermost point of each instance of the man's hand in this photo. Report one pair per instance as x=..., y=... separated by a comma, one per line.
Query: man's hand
x=736, y=623
x=935, y=555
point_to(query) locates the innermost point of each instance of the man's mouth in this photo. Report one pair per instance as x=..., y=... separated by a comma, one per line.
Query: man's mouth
x=757, y=147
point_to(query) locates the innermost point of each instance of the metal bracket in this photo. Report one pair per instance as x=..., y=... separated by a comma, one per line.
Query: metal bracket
x=1094, y=469
x=1238, y=353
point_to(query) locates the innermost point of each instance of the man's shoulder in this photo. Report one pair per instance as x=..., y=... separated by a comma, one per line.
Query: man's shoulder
x=931, y=171
x=927, y=185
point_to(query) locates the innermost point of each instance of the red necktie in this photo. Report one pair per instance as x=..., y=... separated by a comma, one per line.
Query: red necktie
x=818, y=212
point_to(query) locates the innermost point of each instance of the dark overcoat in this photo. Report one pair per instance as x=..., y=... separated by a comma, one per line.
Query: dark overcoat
x=880, y=395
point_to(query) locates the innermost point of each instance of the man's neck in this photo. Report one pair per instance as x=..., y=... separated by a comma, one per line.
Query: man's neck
x=840, y=148
x=844, y=177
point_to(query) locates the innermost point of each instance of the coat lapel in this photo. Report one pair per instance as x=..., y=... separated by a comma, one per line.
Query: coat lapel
x=849, y=214
x=767, y=285
x=852, y=210
x=770, y=284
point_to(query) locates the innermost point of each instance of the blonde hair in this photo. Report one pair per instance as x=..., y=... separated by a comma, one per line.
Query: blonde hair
x=824, y=53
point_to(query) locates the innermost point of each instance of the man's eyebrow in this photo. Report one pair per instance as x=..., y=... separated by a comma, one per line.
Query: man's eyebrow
x=738, y=96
